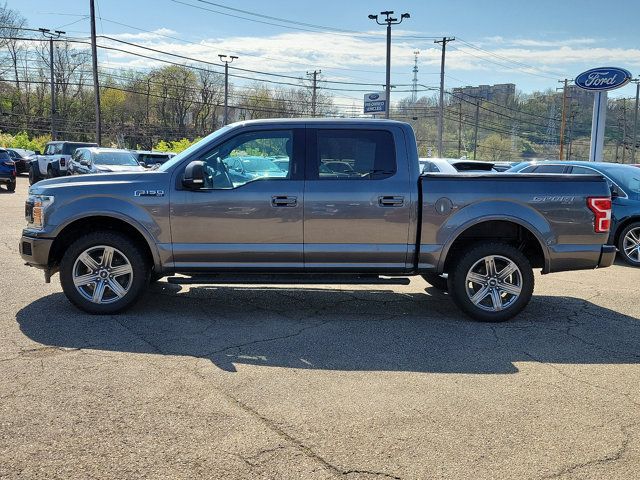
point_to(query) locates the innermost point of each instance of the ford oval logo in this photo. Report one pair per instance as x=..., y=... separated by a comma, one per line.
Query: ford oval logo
x=604, y=78
x=374, y=96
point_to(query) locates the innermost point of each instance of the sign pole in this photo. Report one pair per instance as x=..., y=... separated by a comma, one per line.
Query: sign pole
x=598, y=122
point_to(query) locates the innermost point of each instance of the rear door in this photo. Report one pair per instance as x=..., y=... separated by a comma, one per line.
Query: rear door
x=357, y=200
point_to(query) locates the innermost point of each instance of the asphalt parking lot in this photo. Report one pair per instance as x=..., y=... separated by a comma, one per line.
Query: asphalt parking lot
x=315, y=382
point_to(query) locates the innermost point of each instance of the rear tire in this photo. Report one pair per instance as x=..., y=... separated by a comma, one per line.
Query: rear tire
x=492, y=282
x=11, y=186
x=104, y=272
x=436, y=281
x=50, y=173
x=629, y=244
x=34, y=176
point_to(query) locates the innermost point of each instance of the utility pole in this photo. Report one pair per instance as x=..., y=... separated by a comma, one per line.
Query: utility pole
x=572, y=118
x=563, y=122
x=635, y=123
x=444, y=42
x=148, y=119
x=624, y=129
x=94, y=61
x=223, y=58
x=51, y=36
x=459, y=128
x=314, y=90
x=388, y=20
x=475, y=134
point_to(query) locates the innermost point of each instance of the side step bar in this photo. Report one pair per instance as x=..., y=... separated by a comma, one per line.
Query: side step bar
x=288, y=279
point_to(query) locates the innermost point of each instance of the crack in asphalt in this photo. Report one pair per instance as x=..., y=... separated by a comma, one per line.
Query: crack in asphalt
x=609, y=458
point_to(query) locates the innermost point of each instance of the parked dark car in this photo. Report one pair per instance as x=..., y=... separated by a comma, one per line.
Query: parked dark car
x=624, y=182
x=7, y=171
x=504, y=166
x=149, y=159
x=102, y=160
x=22, y=158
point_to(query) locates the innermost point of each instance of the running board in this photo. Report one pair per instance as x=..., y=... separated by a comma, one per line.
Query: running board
x=288, y=279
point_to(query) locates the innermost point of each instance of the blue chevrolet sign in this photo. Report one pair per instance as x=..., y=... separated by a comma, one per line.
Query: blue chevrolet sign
x=375, y=102
x=603, y=78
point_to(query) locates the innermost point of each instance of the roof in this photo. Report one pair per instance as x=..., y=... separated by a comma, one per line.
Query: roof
x=153, y=152
x=105, y=149
x=321, y=121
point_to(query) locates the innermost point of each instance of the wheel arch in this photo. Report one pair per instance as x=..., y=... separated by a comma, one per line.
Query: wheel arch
x=89, y=223
x=622, y=225
x=510, y=230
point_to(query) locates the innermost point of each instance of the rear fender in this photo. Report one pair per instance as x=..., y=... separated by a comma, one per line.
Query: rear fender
x=503, y=211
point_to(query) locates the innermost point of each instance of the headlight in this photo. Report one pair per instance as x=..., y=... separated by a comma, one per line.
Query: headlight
x=35, y=209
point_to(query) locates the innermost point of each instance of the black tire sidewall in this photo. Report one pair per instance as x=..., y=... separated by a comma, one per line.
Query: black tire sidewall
x=114, y=239
x=11, y=186
x=436, y=281
x=457, y=279
x=621, y=244
x=33, y=176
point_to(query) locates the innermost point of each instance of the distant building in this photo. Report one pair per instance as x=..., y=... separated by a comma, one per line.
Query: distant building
x=498, y=93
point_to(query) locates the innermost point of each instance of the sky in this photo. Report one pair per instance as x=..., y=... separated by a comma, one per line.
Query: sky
x=531, y=44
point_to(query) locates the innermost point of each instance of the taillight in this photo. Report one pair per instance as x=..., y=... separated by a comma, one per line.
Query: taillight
x=62, y=162
x=601, y=207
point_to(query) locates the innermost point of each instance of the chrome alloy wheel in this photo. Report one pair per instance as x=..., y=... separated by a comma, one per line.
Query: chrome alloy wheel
x=102, y=274
x=631, y=245
x=494, y=283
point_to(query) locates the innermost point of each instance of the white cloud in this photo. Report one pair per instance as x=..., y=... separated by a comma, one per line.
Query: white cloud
x=362, y=58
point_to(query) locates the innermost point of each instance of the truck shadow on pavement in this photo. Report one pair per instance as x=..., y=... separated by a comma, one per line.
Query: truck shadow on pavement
x=339, y=329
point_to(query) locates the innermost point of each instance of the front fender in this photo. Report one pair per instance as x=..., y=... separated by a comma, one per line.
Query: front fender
x=475, y=214
x=119, y=209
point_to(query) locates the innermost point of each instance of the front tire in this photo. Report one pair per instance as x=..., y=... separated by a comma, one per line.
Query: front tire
x=629, y=244
x=492, y=282
x=104, y=272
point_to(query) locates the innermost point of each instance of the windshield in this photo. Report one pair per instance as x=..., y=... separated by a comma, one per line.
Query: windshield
x=259, y=164
x=114, y=158
x=185, y=153
x=626, y=176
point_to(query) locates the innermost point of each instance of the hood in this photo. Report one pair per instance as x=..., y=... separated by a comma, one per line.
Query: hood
x=119, y=168
x=93, y=181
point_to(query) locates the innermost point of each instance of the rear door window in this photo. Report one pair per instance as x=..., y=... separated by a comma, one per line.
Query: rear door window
x=353, y=155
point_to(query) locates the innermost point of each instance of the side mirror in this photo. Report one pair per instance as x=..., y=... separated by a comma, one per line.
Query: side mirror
x=194, y=175
x=37, y=152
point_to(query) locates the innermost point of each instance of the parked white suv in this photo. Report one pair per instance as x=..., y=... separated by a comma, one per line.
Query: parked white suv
x=55, y=160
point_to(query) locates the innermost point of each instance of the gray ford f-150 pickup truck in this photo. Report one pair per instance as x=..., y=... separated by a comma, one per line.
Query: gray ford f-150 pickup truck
x=315, y=196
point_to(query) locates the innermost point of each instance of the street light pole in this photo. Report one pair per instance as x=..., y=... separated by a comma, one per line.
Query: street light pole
x=223, y=58
x=51, y=36
x=388, y=21
x=635, y=123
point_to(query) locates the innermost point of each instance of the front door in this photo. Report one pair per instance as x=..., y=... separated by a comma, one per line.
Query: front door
x=249, y=215
x=357, y=201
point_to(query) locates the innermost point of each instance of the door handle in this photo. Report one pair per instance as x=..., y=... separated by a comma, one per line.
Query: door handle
x=390, y=201
x=283, y=201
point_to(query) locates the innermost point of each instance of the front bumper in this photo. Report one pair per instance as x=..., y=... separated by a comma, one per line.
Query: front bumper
x=35, y=251
x=607, y=256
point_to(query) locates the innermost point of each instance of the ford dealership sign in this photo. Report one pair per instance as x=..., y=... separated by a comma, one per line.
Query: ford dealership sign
x=375, y=103
x=604, y=78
